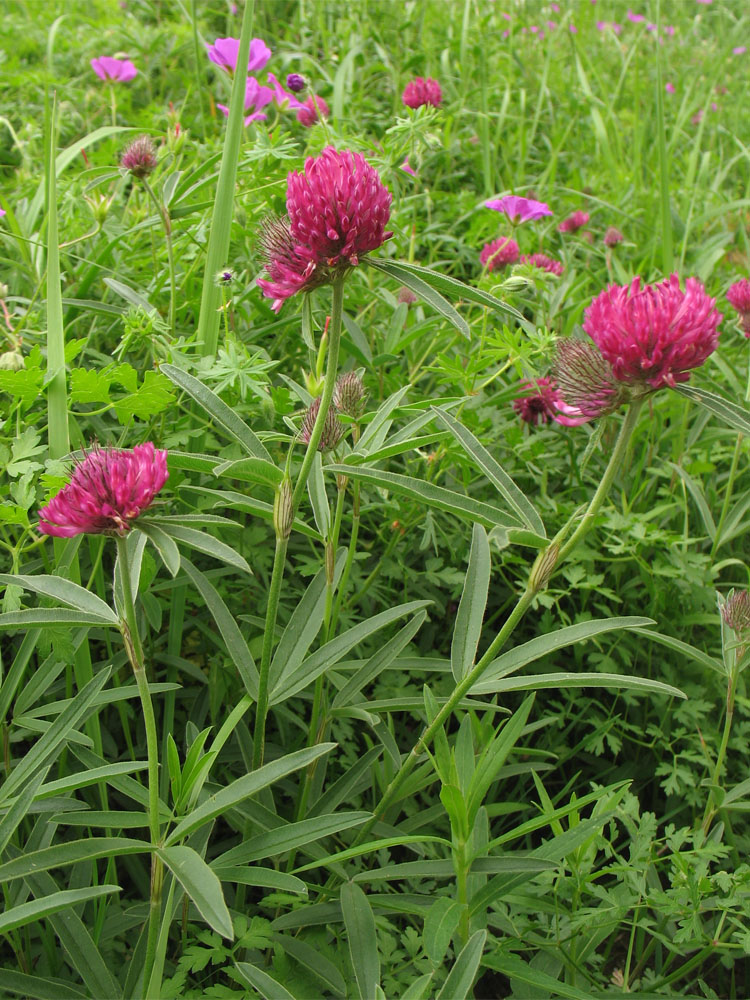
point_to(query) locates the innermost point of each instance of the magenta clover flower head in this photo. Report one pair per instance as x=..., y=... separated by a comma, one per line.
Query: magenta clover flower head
x=654, y=335
x=140, y=157
x=542, y=402
x=574, y=222
x=333, y=429
x=110, y=68
x=585, y=380
x=350, y=395
x=256, y=97
x=422, y=91
x=738, y=295
x=669, y=87
x=107, y=492
x=739, y=50
x=735, y=610
x=612, y=237
x=519, y=209
x=296, y=83
x=544, y=263
x=637, y=18
x=499, y=253
x=310, y=110
x=224, y=53
x=338, y=209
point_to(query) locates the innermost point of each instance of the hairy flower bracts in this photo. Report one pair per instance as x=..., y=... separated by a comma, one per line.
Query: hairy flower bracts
x=585, y=380
x=654, y=335
x=108, y=491
x=338, y=209
x=333, y=429
x=139, y=158
x=350, y=395
x=735, y=611
x=544, y=263
x=738, y=296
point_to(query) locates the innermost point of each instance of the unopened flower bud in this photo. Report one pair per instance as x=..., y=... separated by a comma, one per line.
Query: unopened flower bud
x=12, y=361
x=736, y=611
x=283, y=510
x=313, y=384
x=585, y=379
x=543, y=568
x=100, y=205
x=296, y=83
x=515, y=283
x=612, y=237
x=333, y=429
x=349, y=395
x=225, y=277
x=140, y=157
x=406, y=295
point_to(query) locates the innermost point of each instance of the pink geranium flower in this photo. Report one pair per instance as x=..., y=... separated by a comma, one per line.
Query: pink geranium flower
x=283, y=98
x=112, y=69
x=612, y=237
x=654, y=335
x=338, y=209
x=224, y=53
x=257, y=97
x=519, y=209
x=107, y=492
x=635, y=18
x=421, y=91
x=407, y=168
x=499, y=253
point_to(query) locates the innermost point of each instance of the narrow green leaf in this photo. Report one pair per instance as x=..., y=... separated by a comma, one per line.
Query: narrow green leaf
x=259, y=508
x=45, y=748
x=251, y=470
x=684, y=649
x=379, y=423
x=201, y=885
x=27, y=913
x=452, y=286
x=419, y=989
x=332, y=651
x=246, y=786
x=268, y=987
x=35, y=988
x=461, y=977
x=230, y=633
x=19, y=807
x=499, y=478
x=427, y=493
x=569, y=680
x=205, y=543
x=543, y=645
x=60, y=589
x=316, y=489
x=468, y=628
x=263, y=878
x=70, y=853
x=282, y=839
x=163, y=543
x=730, y=413
x=313, y=961
x=46, y=617
x=217, y=409
x=439, y=927
x=425, y=291
x=700, y=501
x=362, y=939
x=516, y=969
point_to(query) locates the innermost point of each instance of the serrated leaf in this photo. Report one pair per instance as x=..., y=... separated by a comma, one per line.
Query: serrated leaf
x=154, y=395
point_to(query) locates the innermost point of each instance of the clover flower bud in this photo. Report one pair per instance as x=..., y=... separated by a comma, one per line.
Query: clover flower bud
x=585, y=380
x=283, y=509
x=735, y=611
x=139, y=157
x=333, y=429
x=349, y=395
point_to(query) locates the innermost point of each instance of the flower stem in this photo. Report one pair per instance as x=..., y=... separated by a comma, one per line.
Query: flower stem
x=163, y=211
x=464, y=686
x=712, y=806
x=277, y=576
x=732, y=474
x=134, y=649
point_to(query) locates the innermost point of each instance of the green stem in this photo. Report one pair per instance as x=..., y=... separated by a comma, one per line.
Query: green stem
x=134, y=649
x=623, y=439
x=277, y=576
x=261, y=711
x=712, y=805
x=525, y=600
x=163, y=211
x=732, y=474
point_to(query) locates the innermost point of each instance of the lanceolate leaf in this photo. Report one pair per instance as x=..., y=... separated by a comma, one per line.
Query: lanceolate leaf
x=461, y=977
x=26, y=913
x=362, y=939
x=218, y=410
x=470, y=615
x=423, y=289
x=494, y=472
x=60, y=589
x=730, y=413
x=201, y=885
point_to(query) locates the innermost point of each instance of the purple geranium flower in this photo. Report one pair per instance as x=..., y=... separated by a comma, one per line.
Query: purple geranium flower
x=282, y=97
x=519, y=209
x=109, y=68
x=224, y=53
